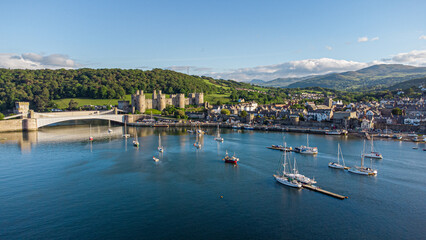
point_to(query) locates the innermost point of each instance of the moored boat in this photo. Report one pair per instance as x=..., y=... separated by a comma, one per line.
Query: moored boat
x=283, y=177
x=362, y=170
x=373, y=154
x=160, y=147
x=229, y=159
x=306, y=149
x=337, y=164
x=218, y=137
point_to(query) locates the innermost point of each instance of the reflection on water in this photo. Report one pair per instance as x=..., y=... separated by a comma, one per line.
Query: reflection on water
x=65, y=186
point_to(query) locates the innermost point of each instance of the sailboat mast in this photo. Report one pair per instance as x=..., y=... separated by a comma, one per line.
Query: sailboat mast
x=307, y=140
x=159, y=140
x=338, y=153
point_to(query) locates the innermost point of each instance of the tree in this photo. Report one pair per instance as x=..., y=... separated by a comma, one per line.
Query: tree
x=218, y=102
x=225, y=111
x=179, y=114
x=72, y=105
x=243, y=114
x=396, y=111
x=1, y=116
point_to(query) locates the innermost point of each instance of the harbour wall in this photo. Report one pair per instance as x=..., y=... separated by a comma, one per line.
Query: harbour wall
x=14, y=125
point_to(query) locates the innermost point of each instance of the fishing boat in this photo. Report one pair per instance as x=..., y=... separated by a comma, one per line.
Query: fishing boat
x=135, y=141
x=155, y=159
x=335, y=132
x=90, y=133
x=283, y=178
x=337, y=164
x=281, y=148
x=109, y=126
x=306, y=149
x=160, y=147
x=399, y=137
x=125, y=135
x=248, y=127
x=373, y=154
x=300, y=177
x=229, y=159
x=362, y=170
x=218, y=138
x=197, y=143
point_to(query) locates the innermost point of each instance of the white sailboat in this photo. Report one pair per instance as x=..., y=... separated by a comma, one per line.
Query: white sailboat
x=284, y=178
x=337, y=164
x=306, y=149
x=197, y=143
x=135, y=141
x=363, y=170
x=218, y=138
x=300, y=177
x=373, y=154
x=109, y=126
x=125, y=134
x=160, y=147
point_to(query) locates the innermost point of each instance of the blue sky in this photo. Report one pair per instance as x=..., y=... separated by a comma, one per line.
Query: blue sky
x=229, y=39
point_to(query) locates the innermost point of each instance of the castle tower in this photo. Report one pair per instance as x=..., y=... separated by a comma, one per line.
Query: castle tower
x=181, y=99
x=141, y=102
x=199, y=98
x=162, y=101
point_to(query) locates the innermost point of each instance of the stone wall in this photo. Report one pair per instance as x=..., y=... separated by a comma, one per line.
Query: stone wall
x=18, y=125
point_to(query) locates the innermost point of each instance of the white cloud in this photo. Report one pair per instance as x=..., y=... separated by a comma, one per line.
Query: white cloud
x=328, y=48
x=317, y=67
x=189, y=68
x=422, y=37
x=363, y=39
x=415, y=58
x=36, y=61
x=292, y=69
x=374, y=39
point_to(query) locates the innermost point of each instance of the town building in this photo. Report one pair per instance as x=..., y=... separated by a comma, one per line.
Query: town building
x=159, y=100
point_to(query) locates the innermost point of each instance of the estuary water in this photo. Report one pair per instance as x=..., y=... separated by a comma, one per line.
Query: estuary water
x=55, y=184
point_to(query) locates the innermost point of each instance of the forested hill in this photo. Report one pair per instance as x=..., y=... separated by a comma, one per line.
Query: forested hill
x=40, y=86
x=410, y=83
x=374, y=77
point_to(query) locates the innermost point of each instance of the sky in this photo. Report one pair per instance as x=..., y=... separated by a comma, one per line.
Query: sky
x=240, y=40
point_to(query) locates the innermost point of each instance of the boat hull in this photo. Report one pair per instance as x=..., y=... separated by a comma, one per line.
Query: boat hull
x=284, y=181
x=337, y=166
x=374, y=155
x=362, y=172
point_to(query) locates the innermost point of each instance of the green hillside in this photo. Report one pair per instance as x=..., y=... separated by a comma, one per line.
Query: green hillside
x=410, y=83
x=374, y=77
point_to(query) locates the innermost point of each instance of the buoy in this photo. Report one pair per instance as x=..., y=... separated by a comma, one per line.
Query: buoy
x=221, y=196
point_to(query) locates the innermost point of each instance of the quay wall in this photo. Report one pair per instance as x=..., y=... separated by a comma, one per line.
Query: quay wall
x=18, y=125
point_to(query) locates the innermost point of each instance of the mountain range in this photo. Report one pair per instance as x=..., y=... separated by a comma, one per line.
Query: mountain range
x=373, y=77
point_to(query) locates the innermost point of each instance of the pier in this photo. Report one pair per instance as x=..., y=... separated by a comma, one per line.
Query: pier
x=320, y=190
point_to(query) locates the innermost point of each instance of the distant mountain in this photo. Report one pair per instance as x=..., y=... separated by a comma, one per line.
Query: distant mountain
x=278, y=82
x=374, y=77
x=410, y=83
x=257, y=82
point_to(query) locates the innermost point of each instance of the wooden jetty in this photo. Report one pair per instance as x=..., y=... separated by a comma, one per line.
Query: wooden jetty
x=320, y=190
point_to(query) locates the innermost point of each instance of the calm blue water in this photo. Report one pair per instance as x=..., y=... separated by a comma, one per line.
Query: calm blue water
x=54, y=184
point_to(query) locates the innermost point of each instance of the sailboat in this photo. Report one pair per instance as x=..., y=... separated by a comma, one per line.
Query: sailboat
x=197, y=143
x=90, y=133
x=135, y=141
x=363, y=170
x=284, y=177
x=373, y=154
x=300, y=177
x=218, y=138
x=160, y=147
x=337, y=164
x=109, y=126
x=229, y=159
x=306, y=149
x=125, y=135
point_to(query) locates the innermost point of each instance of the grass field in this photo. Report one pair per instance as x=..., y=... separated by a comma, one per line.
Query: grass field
x=213, y=98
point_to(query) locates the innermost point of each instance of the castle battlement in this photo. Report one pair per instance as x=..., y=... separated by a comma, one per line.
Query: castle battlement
x=159, y=100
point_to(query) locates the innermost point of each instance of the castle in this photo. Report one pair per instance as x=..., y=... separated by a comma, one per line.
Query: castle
x=159, y=100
